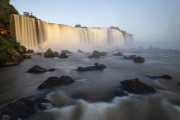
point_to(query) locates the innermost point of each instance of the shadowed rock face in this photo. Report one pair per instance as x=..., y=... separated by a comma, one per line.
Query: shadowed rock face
x=63, y=55
x=66, y=51
x=55, y=81
x=23, y=108
x=96, y=66
x=37, y=69
x=136, y=87
x=167, y=77
x=97, y=54
x=49, y=54
x=118, y=54
x=136, y=59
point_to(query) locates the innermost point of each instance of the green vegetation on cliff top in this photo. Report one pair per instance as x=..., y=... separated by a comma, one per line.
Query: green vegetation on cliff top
x=6, y=9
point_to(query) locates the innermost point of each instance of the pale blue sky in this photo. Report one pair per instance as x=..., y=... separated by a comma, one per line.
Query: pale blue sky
x=148, y=20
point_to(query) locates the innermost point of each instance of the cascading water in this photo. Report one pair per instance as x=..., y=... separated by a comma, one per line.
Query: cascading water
x=36, y=34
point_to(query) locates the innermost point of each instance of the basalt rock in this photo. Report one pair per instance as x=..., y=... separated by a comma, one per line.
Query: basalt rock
x=130, y=57
x=49, y=54
x=118, y=54
x=138, y=59
x=37, y=69
x=23, y=108
x=136, y=87
x=96, y=66
x=55, y=81
x=29, y=51
x=63, y=55
x=66, y=52
x=97, y=54
x=27, y=56
x=167, y=77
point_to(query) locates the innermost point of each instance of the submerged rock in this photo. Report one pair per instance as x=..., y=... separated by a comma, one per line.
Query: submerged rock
x=37, y=69
x=39, y=53
x=167, y=77
x=29, y=51
x=138, y=59
x=97, y=54
x=22, y=109
x=118, y=54
x=130, y=57
x=55, y=81
x=63, y=55
x=66, y=51
x=96, y=66
x=136, y=87
x=27, y=56
x=51, y=70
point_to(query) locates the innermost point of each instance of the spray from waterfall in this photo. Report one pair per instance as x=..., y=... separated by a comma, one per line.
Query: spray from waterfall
x=39, y=35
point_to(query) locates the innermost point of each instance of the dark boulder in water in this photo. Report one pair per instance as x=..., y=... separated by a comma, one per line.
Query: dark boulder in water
x=66, y=51
x=130, y=57
x=27, y=56
x=22, y=109
x=49, y=54
x=97, y=54
x=51, y=70
x=138, y=59
x=29, y=51
x=63, y=55
x=38, y=53
x=167, y=77
x=136, y=87
x=37, y=69
x=55, y=81
x=118, y=54
x=96, y=66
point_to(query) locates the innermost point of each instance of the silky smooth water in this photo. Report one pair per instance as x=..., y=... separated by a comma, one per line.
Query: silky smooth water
x=91, y=95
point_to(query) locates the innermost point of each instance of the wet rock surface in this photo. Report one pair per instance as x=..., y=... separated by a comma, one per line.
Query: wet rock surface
x=23, y=108
x=37, y=69
x=118, y=54
x=166, y=77
x=66, y=52
x=96, y=66
x=50, y=54
x=27, y=56
x=97, y=54
x=136, y=59
x=134, y=86
x=63, y=55
x=55, y=81
x=139, y=59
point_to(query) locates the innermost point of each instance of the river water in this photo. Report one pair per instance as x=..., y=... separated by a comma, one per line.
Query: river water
x=91, y=96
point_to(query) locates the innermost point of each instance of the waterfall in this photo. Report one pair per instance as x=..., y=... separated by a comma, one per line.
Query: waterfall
x=39, y=35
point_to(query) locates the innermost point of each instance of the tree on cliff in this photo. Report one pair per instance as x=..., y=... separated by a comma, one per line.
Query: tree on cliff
x=6, y=9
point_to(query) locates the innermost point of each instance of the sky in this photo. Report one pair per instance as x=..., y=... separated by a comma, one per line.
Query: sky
x=155, y=22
